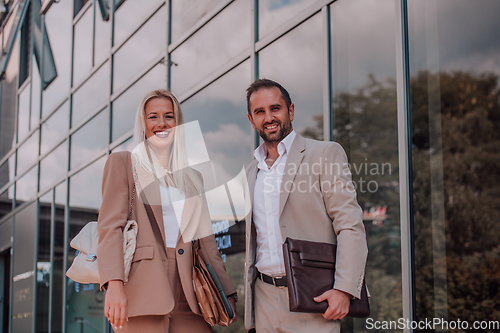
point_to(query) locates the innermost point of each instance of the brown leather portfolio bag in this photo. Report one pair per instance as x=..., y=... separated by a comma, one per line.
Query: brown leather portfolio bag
x=310, y=271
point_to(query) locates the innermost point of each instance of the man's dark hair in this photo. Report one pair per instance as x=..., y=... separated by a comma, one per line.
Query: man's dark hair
x=267, y=84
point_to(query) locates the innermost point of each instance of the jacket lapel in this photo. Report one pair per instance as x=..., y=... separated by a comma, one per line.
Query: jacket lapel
x=295, y=156
x=148, y=189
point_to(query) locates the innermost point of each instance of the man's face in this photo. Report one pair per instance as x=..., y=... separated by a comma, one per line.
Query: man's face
x=269, y=115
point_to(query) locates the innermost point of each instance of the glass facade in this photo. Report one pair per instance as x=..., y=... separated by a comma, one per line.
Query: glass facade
x=354, y=69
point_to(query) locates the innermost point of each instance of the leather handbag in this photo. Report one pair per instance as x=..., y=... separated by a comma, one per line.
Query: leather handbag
x=310, y=271
x=209, y=299
x=84, y=267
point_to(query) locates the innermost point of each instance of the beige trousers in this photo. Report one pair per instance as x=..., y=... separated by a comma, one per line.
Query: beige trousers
x=180, y=320
x=272, y=314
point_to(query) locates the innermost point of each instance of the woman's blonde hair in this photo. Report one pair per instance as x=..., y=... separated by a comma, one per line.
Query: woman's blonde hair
x=182, y=174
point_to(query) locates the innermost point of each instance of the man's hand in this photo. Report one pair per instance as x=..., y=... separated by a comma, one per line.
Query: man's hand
x=115, y=304
x=338, y=303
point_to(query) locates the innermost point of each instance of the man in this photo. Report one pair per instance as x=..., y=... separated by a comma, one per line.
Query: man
x=302, y=189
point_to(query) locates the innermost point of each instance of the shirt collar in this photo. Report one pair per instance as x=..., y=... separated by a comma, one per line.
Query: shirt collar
x=284, y=146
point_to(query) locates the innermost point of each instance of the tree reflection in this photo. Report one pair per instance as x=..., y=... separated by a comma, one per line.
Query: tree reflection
x=470, y=153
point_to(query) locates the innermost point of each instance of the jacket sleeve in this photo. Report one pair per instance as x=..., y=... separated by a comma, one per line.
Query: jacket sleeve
x=339, y=196
x=112, y=219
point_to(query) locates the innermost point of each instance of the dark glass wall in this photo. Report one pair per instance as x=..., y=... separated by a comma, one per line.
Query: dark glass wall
x=455, y=114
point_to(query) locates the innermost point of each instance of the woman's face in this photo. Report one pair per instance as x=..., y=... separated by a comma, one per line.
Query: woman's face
x=160, y=122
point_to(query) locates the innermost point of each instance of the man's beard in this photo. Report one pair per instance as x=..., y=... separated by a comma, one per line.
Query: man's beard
x=285, y=129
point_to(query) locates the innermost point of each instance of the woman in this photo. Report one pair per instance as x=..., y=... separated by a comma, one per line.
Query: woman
x=169, y=199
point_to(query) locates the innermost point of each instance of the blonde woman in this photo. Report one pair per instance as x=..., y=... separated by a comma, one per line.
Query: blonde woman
x=159, y=294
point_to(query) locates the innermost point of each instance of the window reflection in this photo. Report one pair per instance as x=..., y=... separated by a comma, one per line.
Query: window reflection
x=85, y=200
x=186, y=14
x=83, y=40
x=4, y=173
x=55, y=128
x=57, y=264
x=43, y=265
x=35, y=93
x=455, y=112
x=24, y=262
x=23, y=116
x=27, y=154
x=125, y=106
x=221, y=112
x=91, y=96
x=102, y=37
x=54, y=166
x=293, y=62
x=130, y=14
x=26, y=186
x=273, y=13
x=364, y=114
x=130, y=59
x=199, y=55
x=91, y=139
x=128, y=145
x=58, y=24
x=6, y=201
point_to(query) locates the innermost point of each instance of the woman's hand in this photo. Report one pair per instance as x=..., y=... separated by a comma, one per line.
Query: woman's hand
x=115, y=305
x=232, y=301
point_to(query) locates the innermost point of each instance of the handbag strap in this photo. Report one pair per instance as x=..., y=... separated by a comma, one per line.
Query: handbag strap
x=133, y=196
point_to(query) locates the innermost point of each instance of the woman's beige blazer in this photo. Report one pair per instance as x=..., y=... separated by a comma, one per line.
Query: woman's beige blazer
x=148, y=289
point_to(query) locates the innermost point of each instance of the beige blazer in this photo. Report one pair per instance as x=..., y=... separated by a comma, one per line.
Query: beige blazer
x=317, y=203
x=148, y=290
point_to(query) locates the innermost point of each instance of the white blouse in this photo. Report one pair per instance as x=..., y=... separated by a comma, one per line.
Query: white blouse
x=172, y=205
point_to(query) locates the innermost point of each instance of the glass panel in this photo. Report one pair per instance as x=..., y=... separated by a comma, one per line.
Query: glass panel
x=364, y=114
x=300, y=48
x=6, y=201
x=185, y=14
x=55, y=128
x=23, y=117
x=78, y=5
x=130, y=15
x=91, y=96
x=90, y=139
x=8, y=107
x=84, y=301
x=58, y=24
x=273, y=13
x=35, y=94
x=455, y=117
x=130, y=59
x=27, y=154
x=102, y=37
x=221, y=112
x=199, y=55
x=58, y=272
x=4, y=173
x=125, y=106
x=26, y=187
x=24, y=262
x=82, y=53
x=128, y=145
x=54, y=166
x=43, y=265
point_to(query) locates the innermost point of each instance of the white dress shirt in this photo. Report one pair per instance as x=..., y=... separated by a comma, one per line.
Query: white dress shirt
x=266, y=200
x=172, y=204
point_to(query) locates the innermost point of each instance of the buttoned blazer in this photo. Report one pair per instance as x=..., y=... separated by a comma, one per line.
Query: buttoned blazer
x=148, y=289
x=317, y=203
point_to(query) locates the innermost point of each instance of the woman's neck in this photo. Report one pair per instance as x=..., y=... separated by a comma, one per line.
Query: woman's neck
x=163, y=156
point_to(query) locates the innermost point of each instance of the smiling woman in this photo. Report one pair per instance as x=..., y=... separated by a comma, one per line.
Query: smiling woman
x=172, y=211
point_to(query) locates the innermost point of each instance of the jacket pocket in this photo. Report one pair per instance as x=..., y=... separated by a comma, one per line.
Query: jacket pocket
x=144, y=252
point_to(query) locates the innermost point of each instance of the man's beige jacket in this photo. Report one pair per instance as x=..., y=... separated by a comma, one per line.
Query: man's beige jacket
x=317, y=203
